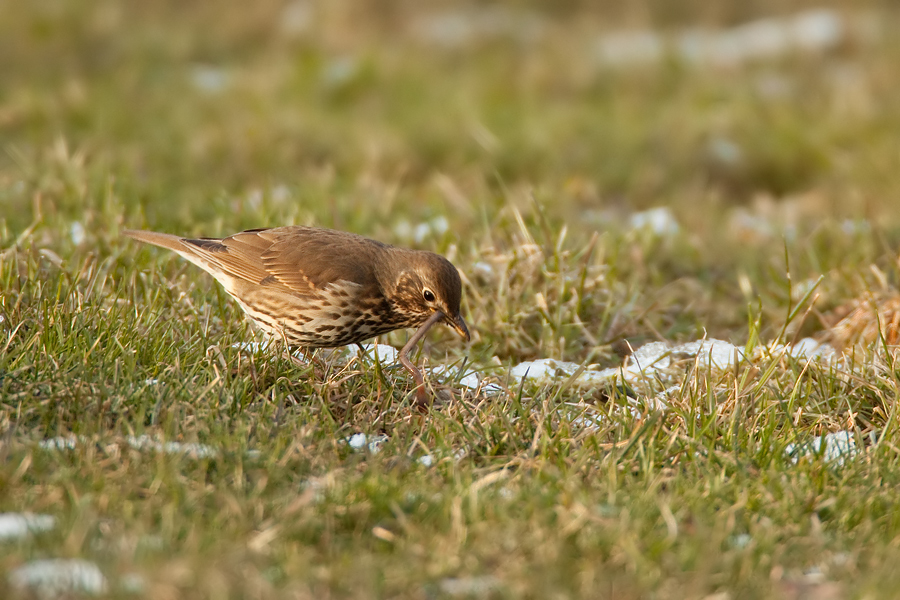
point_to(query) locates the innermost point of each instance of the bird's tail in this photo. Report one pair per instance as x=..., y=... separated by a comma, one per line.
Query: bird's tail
x=163, y=240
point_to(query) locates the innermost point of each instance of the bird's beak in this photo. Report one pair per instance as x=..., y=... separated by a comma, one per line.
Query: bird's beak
x=459, y=326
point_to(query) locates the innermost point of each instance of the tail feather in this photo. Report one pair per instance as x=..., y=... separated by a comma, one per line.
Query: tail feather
x=208, y=254
x=163, y=240
x=171, y=242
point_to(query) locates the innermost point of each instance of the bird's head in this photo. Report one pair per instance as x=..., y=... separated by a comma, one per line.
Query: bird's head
x=428, y=283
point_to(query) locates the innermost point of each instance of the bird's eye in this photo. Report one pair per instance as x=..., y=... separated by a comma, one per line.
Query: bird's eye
x=428, y=295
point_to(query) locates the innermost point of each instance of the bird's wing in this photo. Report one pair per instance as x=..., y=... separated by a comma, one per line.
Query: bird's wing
x=306, y=259
x=300, y=259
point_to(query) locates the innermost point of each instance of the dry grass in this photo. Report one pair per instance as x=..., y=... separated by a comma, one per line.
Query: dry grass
x=496, y=137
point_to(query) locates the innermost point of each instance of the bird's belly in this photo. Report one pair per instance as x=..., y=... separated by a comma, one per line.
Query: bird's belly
x=318, y=321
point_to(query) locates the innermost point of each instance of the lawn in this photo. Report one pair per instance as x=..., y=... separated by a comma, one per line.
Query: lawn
x=677, y=230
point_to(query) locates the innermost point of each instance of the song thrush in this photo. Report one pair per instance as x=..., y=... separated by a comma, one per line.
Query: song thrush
x=320, y=288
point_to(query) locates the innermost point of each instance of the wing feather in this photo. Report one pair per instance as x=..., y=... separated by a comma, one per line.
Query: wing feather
x=299, y=259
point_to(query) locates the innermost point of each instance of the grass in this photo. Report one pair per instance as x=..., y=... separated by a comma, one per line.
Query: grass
x=203, y=120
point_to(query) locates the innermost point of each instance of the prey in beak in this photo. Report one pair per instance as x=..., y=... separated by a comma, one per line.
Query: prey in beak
x=458, y=325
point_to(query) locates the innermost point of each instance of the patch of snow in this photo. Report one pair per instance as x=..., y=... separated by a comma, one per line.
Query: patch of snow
x=210, y=79
x=132, y=583
x=386, y=354
x=548, y=369
x=725, y=151
x=661, y=400
x=812, y=31
x=856, y=227
x=253, y=346
x=483, y=269
x=14, y=526
x=340, y=71
x=809, y=348
x=586, y=422
x=647, y=359
x=658, y=220
x=470, y=586
x=840, y=446
x=653, y=358
x=472, y=380
x=272, y=345
x=712, y=352
x=597, y=378
x=361, y=441
x=59, y=577
x=142, y=442
x=76, y=233
x=817, y=29
x=435, y=227
x=541, y=369
x=194, y=450
x=62, y=443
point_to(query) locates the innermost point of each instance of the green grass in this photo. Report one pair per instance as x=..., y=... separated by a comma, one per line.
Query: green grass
x=112, y=117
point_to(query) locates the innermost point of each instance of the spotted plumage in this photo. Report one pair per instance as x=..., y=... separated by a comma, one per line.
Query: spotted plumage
x=320, y=288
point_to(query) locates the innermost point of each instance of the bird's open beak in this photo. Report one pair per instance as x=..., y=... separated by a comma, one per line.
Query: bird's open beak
x=459, y=326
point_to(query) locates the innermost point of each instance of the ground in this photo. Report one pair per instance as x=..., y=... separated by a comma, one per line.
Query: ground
x=689, y=209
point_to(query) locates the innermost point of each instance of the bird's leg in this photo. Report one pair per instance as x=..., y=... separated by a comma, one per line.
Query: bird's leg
x=309, y=355
x=421, y=395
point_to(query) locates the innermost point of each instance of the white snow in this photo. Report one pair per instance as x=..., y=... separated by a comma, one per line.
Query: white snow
x=387, y=355
x=62, y=443
x=361, y=441
x=77, y=233
x=210, y=79
x=142, y=442
x=478, y=586
x=471, y=380
x=658, y=220
x=811, y=31
x=15, y=526
x=840, y=446
x=712, y=353
x=809, y=348
x=58, y=577
x=194, y=450
x=646, y=359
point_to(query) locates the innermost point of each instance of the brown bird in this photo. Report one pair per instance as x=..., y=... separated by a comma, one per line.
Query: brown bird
x=320, y=288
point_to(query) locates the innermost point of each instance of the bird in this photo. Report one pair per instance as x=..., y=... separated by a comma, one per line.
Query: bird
x=321, y=288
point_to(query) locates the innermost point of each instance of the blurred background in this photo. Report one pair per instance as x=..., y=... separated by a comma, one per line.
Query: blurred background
x=734, y=132
x=192, y=108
